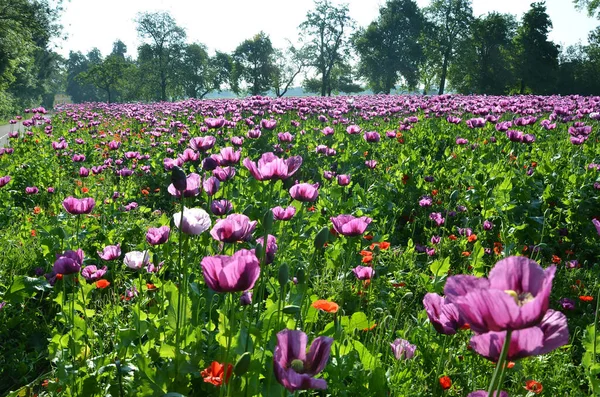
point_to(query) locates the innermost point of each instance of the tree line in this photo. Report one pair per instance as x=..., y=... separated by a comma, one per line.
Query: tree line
x=437, y=49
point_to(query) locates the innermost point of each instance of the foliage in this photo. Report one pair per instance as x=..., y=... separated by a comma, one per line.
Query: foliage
x=253, y=64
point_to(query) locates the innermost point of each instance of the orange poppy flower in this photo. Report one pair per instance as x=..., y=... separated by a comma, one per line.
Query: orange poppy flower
x=366, y=253
x=445, y=382
x=102, y=283
x=510, y=365
x=434, y=192
x=534, y=386
x=497, y=248
x=150, y=286
x=145, y=192
x=84, y=190
x=371, y=328
x=326, y=306
x=216, y=373
x=368, y=237
x=398, y=285
x=33, y=233
x=586, y=298
x=59, y=276
x=37, y=210
x=367, y=259
x=384, y=245
x=555, y=259
x=472, y=238
x=466, y=253
x=311, y=208
x=452, y=237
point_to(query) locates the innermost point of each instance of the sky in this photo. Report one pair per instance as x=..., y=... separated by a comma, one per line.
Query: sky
x=223, y=24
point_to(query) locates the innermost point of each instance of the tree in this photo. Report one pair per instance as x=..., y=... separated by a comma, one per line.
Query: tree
x=592, y=6
x=79, y=90
x=483, y=64
x=390, y=47
x=107, y=75
x=451, y=20
x=324, y=35
x=341, y=81
x=286, y=68
x=253, y=64
x=119, y=49
x=200, y=74
x=536, y=57
x=164, y=49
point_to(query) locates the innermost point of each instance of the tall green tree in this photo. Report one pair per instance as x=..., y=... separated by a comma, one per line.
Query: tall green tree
x=324, y=35
x=200, y=74
x=286, y=67
x=107, y=75
x=253, y=64
x=77, y=87
x=165, y=43
x=390, y=47
x=451, y=20
x=536, y=58
x=483, y=62
x=591, y=6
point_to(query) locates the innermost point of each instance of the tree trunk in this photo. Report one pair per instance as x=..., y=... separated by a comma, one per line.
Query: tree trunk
x=323, y=83
x=522, y=88
x=443, y=75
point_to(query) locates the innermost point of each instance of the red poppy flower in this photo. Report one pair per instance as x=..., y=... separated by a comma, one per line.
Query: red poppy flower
x=586, y=298
x=533, y=386
x=102, y=283
x=216, y=373
x=555, y=259
x=445, y=382
x=472, y=238
x=452, y=237
x=326, y=306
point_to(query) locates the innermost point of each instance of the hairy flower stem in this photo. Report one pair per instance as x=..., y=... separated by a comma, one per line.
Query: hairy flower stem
x=440, y=365
x=496, y=377
x=596, y=325
x=178, y=271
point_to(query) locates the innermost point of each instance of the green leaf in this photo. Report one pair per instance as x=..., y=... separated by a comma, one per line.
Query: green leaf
x=440, y=266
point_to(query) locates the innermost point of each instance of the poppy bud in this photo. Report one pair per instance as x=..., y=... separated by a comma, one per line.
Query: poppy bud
x=241, y=367
x=284, y=275
x=268, y=221
x=178, y=178
x=321, y=237
x=291, y=309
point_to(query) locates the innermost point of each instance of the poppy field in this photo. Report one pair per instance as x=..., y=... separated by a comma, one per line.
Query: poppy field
x=368, y=245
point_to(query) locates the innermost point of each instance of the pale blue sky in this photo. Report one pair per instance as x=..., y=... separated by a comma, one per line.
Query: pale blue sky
x=223, y=24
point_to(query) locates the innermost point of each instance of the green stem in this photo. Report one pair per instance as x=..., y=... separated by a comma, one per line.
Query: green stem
x=229, y=339
x=440, y=364
x=496, y=379
x=178, y=271
x=596, y=324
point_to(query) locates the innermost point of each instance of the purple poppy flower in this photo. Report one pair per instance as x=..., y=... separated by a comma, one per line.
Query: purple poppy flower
x=573, y=264
x=430, y=251
x=78, y=158
x=76, y=206
x=246, y=298
x=272, y=167
x=210, y=163
x=514, y=135
x=202, y=143
x=158, y=235
x=343, y=180
x=327, y=131
x=515, y=295
x=192, y=187
x=189, y=155
x=372, y=136
x=349, y=225
x=484, y=393
x=371, y=164
x=253, y=134
x=353, y=129
x=283, y=214
x=403, y=349
x=110, y=252
x=328, y=175
x=4, y=180
x=487, y=225
x=92, y=273
x=84, y=172
x=437, y=218
x=271, y=247
x=69, y=262
x=268, y=124
x=461, y=141
x=363, y=272
x=214, y=123
x=236, y=273
x=596, y=223
x=443, y=315
x=229, y=156
x=221, y=207
x=136, y=259
x=114, y=145
x=195, y=221
x=285, y=137
x=234, y=228
x=567, y=304
x=211, y=185
x=305, y=192
x=551, y=333
x=294, y=367
x=32, y=190
x=435, y=240
x=528, y=138
x=425, y=201
x=224, y=173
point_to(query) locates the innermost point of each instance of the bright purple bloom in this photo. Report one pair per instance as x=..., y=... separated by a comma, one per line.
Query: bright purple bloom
x=84, y=172
x=158, y=235
x=271, y=247
x=294, y=367
x=32, y=190
x=229, y=156
x=76, y=206
x=272, y=167
x=596, y=223
x=221, y=207
x=195, y=221
x=192, y=187
x=363, y=272
x=4, y=180
x=403, y=349
x=353, y=129
x=211, y=185
x=305, y=192
x=202, y=143
x=542, y=338
x=567, y=304
x=461, y=141
x=343, y=180
x=283, y=214
x=246, y=298
x=92, y=273
x=69, y=262
x=371, y=164
x=110, y=252
x=515, y=295
x=189, y=155
x=235, y=273
x=484, y=393
x=443, y=315
x=425, y=201
x=437, y=218
x=268, y=124
x=234, y=228
x=224, y=173
x=435, y=240
x=285, y=137
x=476, y=122
x=372, y=136
x=349, y=225
x=487, y=225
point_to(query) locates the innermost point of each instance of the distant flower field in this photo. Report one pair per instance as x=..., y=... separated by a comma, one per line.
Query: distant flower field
x=372, y=245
